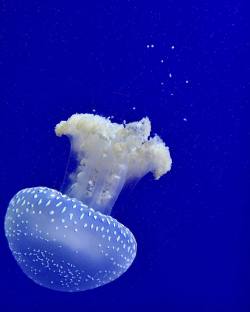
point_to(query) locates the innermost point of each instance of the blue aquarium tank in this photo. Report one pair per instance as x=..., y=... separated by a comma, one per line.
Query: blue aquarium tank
x=125, y=156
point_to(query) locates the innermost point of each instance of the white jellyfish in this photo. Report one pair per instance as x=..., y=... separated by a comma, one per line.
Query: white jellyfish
x=69, y=242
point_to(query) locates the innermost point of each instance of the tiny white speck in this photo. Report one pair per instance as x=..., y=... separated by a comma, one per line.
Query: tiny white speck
x=82, y=215
x=172, y=47
x=52, y=220
x=59, y=204
x=162, y=61
x=185, y=119
x=48, y=203
x=51, y=212
x=170, y=75
x=187, y=81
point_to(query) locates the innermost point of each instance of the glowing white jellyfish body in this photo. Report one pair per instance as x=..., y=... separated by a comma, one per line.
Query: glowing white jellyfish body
x=70, y=242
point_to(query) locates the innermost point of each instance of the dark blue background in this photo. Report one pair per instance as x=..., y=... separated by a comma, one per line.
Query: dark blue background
x=192, y=226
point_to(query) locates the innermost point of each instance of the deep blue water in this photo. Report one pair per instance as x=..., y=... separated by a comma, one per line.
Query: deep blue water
x=185, y=64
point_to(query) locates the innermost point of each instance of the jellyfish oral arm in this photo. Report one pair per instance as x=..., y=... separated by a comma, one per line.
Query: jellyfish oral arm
x=109, y=155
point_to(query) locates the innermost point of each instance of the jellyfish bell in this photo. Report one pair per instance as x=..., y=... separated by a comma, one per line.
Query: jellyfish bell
x=69, y=242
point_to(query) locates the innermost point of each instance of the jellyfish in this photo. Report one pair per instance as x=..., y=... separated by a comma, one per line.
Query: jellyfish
x=69, y=241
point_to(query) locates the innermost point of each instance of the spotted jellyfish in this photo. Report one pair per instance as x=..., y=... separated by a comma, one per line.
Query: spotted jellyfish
x=69, y=242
